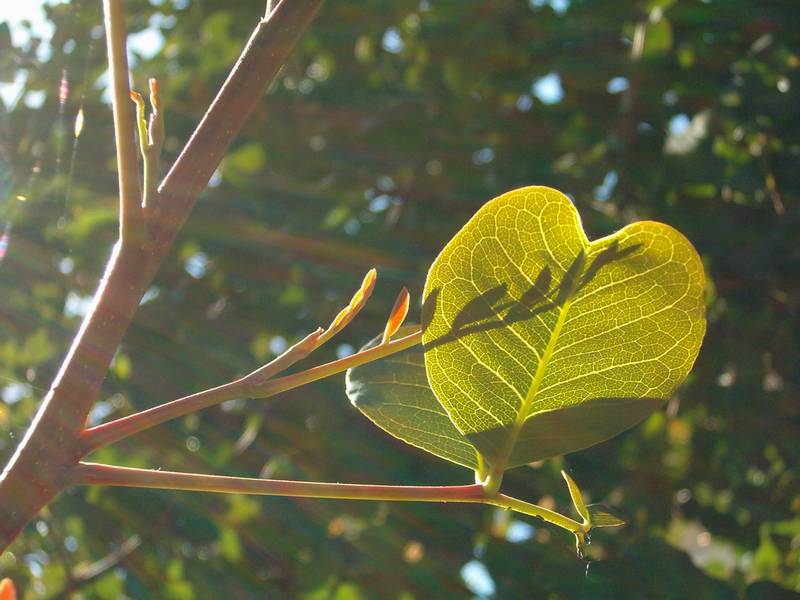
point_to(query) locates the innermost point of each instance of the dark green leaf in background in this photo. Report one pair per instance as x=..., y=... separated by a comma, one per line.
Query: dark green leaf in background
x=394, y=393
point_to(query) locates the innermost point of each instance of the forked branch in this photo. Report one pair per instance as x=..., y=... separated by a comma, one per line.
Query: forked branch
x=49, y=457
x=113, y=431
x=39, y=468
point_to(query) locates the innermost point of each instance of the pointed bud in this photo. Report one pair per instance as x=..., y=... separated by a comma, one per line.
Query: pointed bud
x=7, y=590
x=365, y=291
x=351, y=310
x=397, y=316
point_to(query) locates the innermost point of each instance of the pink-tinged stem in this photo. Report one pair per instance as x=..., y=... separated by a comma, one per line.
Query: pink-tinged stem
x=39, y=469
x=97, y=474
x=113, y=431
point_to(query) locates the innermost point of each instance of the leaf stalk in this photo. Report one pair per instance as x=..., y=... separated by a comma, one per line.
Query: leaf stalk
x=98, y=474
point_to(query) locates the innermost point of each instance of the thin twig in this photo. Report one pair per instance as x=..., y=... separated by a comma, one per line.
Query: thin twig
x=131, y=220
x=38, y=470
x=87, y=573
x=113, y=431
x=266, y=51
x=316, y=338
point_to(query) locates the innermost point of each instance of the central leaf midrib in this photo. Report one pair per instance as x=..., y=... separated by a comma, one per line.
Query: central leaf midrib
x=524, y=408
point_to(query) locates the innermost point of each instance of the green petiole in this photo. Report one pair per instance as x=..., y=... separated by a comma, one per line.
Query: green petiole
x=151, y=140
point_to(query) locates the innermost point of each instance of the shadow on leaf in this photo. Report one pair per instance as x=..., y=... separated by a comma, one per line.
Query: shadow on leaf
x=495, y=308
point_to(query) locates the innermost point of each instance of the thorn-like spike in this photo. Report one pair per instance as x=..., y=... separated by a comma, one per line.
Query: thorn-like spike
x=397, y=316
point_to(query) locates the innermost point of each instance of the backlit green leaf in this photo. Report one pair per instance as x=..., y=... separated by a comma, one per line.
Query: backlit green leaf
x=394, y=394
x=602, y=516
x=538, y=342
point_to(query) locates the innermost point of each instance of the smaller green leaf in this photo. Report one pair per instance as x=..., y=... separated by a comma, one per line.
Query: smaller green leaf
x=394, y=394
x=577, y=497
x=601, y=516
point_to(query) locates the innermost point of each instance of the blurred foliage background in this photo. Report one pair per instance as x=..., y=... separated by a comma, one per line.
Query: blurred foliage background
x=391, y=124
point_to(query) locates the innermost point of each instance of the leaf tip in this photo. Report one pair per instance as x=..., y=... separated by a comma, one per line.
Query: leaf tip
x=368, y=284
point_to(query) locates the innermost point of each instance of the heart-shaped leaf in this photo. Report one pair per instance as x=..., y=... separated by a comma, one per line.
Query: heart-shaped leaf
x=538, y=342
x=394, y=393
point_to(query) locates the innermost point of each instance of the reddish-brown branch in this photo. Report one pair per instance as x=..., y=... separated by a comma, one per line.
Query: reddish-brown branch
x=265, y=53
x=41, y=466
